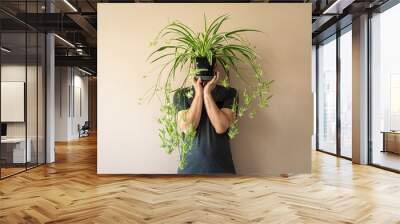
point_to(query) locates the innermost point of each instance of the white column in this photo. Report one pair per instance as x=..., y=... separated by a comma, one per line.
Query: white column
x=50, y=100
x=314, y=93
x=360, y=90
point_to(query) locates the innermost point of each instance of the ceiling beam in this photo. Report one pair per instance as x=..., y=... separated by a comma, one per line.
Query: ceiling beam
x=86, y=26
x=337, y=7
x=81, y=61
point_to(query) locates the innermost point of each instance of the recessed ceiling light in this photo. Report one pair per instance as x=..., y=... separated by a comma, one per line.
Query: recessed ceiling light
x=338, y=6
x=64, y=40
x=5, y=50
x=70, y=5
x=84, y=71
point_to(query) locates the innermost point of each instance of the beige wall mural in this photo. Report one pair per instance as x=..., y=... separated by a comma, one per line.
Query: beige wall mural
x=277, y=141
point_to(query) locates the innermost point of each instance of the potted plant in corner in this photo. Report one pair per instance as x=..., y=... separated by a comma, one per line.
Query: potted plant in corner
x=180, y=48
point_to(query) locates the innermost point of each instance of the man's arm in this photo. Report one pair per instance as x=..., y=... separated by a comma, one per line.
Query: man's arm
x=220, y=119
x=191, y=117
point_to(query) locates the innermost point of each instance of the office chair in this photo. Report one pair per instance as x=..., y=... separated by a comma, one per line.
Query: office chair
x=84, y=130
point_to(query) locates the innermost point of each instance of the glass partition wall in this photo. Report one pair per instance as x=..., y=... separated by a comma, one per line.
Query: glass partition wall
x=326, y=140
x=13, y=89
x=385, y=89
x=22, y=98
x=334, y=93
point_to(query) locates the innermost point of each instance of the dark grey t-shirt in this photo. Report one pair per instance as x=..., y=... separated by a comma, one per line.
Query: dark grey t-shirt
x=210, y=151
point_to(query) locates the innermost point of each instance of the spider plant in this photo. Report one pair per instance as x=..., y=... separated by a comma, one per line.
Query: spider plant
x=177, y=48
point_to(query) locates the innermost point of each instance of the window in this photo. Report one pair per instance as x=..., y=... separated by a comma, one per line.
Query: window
x=326, y=137
x=385, y=89
x=394, y=102
x=334, y=73
x=346, y=93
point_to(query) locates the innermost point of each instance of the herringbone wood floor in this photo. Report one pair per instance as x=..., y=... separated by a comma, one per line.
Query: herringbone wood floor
x=69, y=191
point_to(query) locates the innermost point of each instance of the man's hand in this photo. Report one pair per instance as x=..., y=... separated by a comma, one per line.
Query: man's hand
x=198, y=87
x=211, y=84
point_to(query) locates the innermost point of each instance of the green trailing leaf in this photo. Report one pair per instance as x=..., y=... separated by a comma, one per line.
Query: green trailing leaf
x=189, y=94
x=252, y=114
x=179, y=45
x=225, y=81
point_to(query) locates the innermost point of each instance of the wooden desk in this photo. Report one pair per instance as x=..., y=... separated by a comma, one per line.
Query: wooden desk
x=391, y=141
x=13, y=150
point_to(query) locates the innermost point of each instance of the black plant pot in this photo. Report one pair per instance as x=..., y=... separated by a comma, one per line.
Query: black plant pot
x=206, y=70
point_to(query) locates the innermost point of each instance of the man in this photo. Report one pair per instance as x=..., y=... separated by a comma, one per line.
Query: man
x=210, y=113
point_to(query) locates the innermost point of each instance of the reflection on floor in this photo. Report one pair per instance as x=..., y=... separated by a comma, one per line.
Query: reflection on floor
x=346, y=152
x=11, y=169
x=387, y=159
x=70, y=191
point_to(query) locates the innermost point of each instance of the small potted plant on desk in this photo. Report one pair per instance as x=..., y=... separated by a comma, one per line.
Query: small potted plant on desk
x=178, y=47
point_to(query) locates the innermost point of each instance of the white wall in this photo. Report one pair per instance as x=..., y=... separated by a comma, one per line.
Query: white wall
x=13, y=101
x=62, y=80
x=69, y=82
x=15, y=73
x=80, y=110
x=277, y=141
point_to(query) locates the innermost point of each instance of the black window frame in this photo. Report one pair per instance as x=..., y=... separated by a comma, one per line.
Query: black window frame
x=334, y=37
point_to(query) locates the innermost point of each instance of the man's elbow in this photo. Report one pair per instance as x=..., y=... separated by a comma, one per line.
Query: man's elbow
x=221, y=130
x=186, y=127
x=183, y=128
